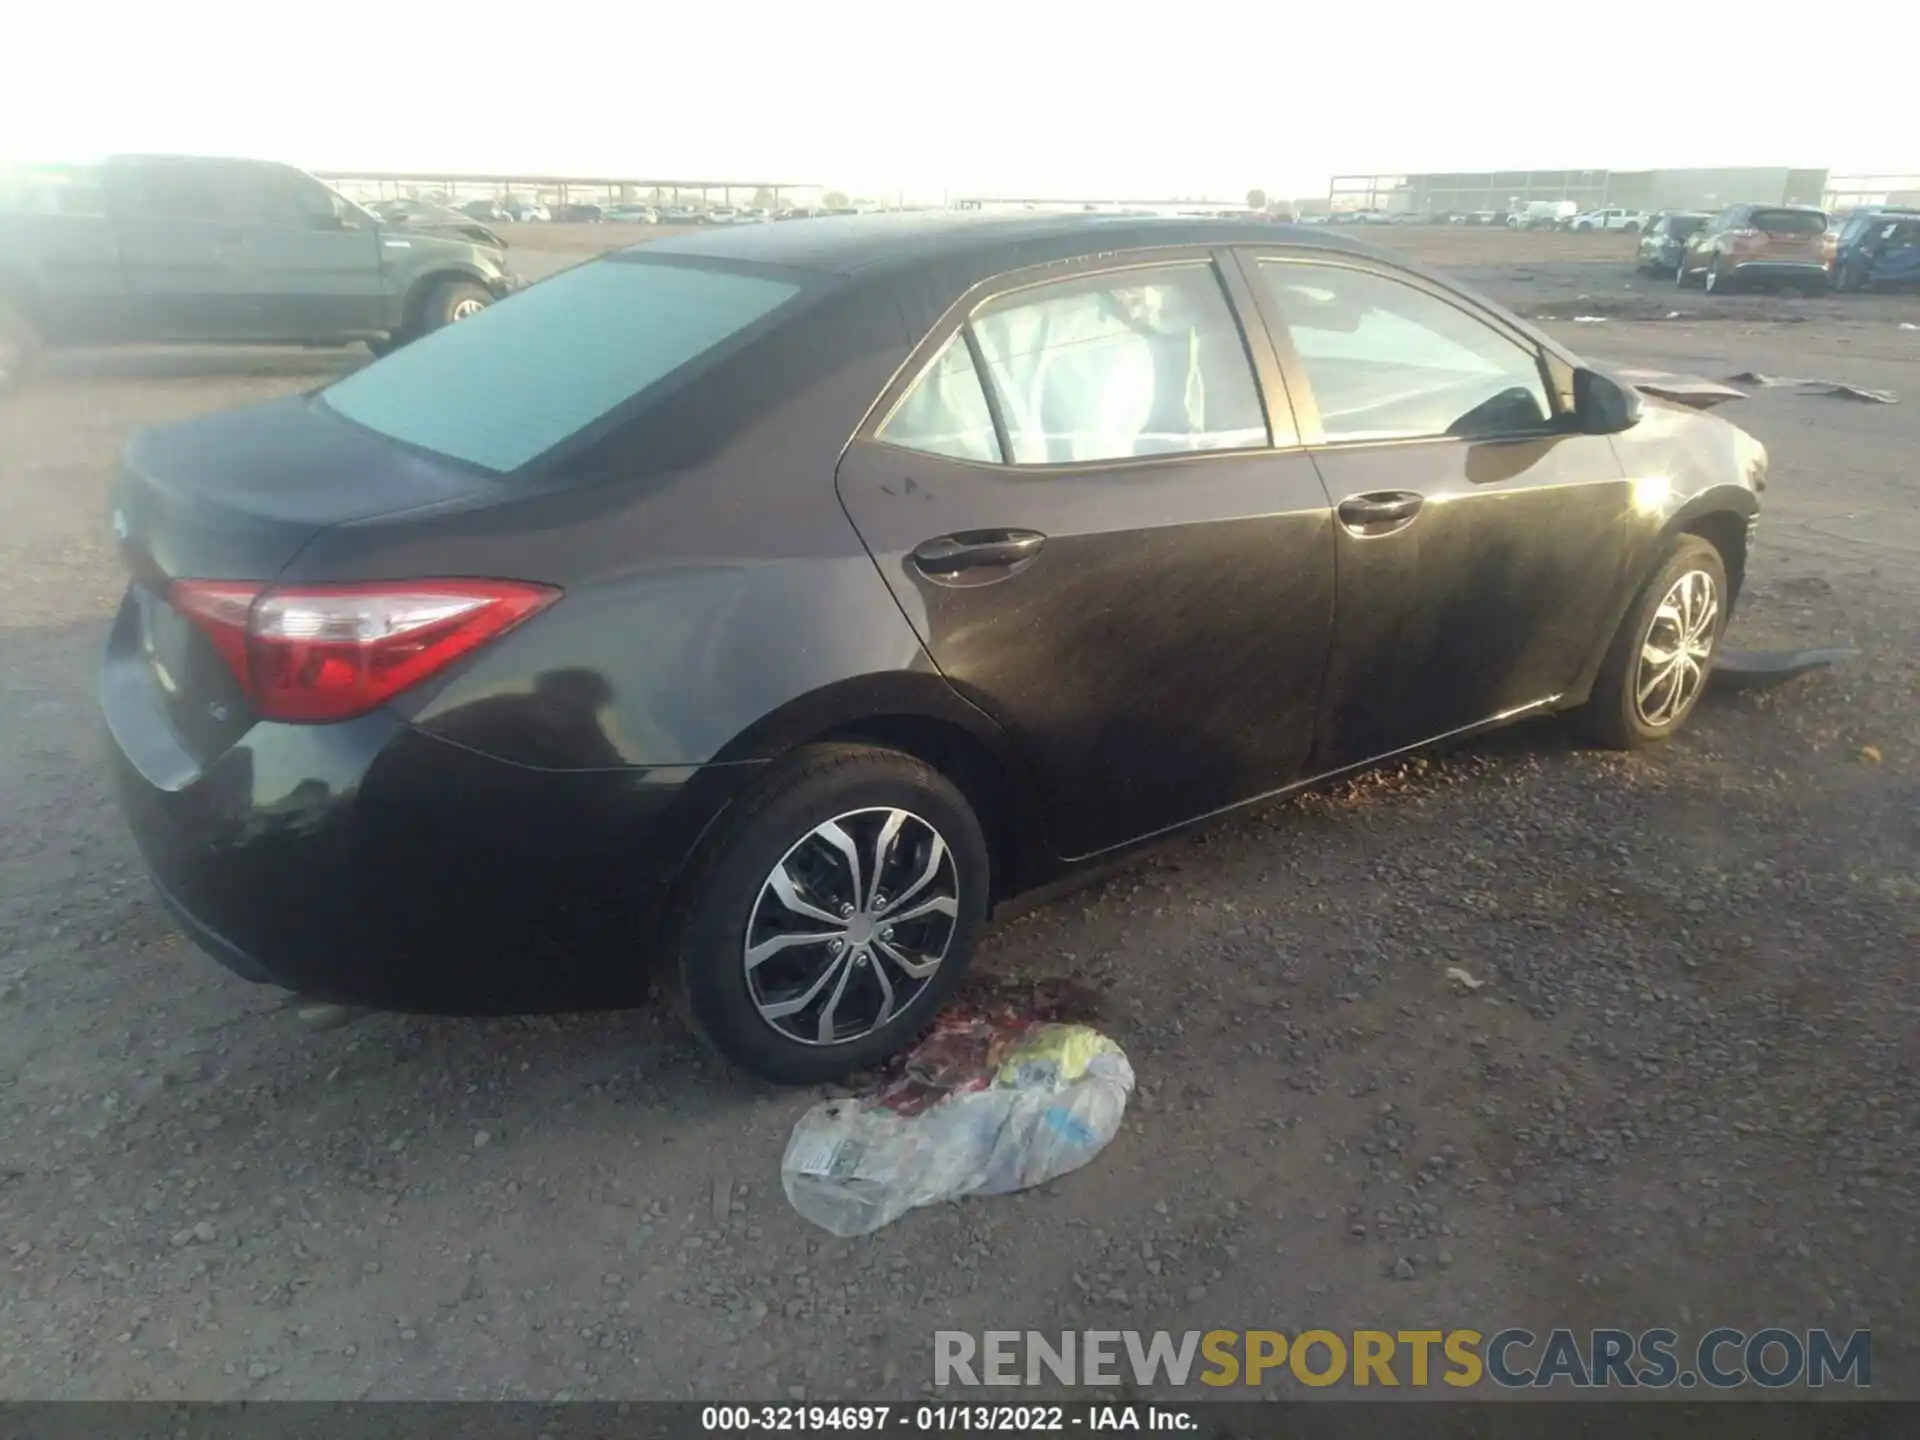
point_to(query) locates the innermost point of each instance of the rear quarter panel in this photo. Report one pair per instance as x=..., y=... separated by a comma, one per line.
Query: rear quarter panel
x=719, y=604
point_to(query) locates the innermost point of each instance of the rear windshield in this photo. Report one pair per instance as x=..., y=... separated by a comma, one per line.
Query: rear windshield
x=1790, y=222
x=510, y=383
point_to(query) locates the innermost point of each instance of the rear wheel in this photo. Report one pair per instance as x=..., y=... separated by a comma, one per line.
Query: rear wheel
x=828, y=925
x=1657, y=666
x=19, y=346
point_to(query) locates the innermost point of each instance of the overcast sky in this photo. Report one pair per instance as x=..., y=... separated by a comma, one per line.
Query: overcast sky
x=987, y=97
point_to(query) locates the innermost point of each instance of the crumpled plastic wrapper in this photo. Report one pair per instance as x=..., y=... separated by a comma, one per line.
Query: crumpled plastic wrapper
x=984, y=1107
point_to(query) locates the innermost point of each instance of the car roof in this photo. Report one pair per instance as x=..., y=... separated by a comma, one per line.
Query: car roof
x=846, y=244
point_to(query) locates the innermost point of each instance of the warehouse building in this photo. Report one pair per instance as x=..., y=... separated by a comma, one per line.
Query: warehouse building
x=1465, y=193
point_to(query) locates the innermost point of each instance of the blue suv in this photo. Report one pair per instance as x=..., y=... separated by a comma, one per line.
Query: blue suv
x=1878, y=247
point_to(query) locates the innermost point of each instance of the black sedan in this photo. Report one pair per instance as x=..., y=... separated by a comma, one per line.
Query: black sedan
x=758, y=607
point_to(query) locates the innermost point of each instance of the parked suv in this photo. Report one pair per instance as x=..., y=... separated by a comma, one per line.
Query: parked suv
x=1612, y=217
x=1663, y=241
x=1747, y=244
x=1877, y=247
x=181, y=249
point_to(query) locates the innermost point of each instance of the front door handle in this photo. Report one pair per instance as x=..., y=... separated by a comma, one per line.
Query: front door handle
x=1379, y=512
x=976, y=554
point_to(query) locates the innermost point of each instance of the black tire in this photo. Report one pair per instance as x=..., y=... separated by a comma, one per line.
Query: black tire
x=1632, y=227
x=384, y=345
x=450, y=301
x=1613, y=717
x=1681, y=280
x=19, y=347
x=1718, y=281
x=724, y=897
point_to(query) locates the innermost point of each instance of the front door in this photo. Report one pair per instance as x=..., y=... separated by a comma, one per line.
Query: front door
x=310, y=264
x=1480, y=540
x=1103, y=549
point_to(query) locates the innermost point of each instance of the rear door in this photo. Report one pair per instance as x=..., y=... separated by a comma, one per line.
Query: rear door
x=182, y=246
x=1479, y=540
x=1087, y=495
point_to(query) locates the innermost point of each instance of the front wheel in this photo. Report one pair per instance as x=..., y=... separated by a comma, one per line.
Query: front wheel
x=1657, y=667
x=834, y=917
x=1718, y=281
x=455, y=300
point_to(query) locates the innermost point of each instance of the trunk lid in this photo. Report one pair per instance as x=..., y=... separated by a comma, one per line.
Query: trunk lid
x=1790, y=234
x=235, y=496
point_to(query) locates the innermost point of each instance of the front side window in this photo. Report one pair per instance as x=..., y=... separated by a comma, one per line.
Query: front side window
x=1120, y=365
x=945, y=412
x=1388, y=361
x=506, y=385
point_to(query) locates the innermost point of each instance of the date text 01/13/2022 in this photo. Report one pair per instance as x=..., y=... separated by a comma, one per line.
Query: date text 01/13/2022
x=941, y=1419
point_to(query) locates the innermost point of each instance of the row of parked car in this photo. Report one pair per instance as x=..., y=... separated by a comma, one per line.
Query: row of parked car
x=633, y=213
x=1855, y=249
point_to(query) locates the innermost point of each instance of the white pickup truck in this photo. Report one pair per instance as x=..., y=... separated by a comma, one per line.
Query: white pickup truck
x=1612, y=217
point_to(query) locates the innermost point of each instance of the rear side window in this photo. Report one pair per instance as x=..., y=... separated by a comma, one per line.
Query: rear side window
x=1120, y=365
x=945, y=413
x=1682, y=226
x=1789, y=222
x=508, y=384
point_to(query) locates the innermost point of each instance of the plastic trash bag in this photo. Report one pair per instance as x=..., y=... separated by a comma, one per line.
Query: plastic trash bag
x=984, y=1107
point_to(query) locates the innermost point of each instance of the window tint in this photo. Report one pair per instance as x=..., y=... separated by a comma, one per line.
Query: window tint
x=945, y=413
x=178, y=192
x=1128, y=363
x=1682, y=226
x=512, y=382
x=1388, y=361
x=1790, y=222
x=273, y=196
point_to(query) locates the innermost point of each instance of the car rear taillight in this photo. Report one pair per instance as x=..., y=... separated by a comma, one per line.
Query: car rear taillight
x=330, y=652
x=1746, y=233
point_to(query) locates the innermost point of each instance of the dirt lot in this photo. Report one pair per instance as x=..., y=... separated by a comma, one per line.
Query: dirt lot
x=1688, y=1093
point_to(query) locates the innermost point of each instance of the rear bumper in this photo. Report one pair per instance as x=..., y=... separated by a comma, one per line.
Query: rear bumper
x=370, y=864
x=1780, y=269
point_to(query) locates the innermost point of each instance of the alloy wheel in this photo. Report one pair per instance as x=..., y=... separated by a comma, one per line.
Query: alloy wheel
x=851, y=926
x=1676, y=651
x=466, y=309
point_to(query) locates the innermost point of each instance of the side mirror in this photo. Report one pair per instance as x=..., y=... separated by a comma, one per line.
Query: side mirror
x=1604, y=405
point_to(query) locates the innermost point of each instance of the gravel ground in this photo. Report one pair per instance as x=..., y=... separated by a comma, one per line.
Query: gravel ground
x=1685, y=1093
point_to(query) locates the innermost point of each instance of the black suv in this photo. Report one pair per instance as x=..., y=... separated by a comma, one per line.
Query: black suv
x=1665, y=240
x=145, y=249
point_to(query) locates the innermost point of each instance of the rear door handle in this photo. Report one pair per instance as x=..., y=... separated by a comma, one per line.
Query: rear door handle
x=973, y=553
x=1380, y=511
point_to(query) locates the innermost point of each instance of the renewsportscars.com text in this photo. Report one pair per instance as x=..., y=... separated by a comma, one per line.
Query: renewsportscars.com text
x=1720, y=1359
